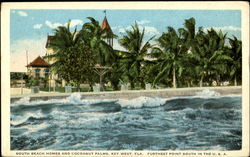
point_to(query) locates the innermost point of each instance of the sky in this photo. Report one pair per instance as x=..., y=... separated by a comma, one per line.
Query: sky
x=29, y=28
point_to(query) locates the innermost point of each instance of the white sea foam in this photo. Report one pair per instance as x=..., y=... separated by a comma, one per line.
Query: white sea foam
x=74, y=98
x=207, y=93
x=16, y=120
x=141, y=102
x=24, y=100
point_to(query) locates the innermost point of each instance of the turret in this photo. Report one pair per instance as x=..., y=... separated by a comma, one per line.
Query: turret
x=109, y=37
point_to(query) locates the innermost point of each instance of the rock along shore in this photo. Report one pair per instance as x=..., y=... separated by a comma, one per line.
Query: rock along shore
x=130, y=94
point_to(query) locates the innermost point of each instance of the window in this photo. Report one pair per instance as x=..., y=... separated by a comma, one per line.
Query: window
x=46, y=71
x=37, y=73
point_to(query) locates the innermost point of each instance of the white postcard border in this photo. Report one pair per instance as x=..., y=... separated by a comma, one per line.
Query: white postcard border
x=5, y=65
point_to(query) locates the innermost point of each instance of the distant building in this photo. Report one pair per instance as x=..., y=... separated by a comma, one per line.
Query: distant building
x=38, y=68
x=49, y=50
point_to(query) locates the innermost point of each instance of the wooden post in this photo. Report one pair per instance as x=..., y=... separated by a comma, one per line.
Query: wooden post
x=101, y=71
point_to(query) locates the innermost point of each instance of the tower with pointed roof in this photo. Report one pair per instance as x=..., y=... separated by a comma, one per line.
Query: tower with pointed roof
x=109, y=33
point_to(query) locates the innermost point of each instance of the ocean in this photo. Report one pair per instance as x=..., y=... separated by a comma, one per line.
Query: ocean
x=206, y=121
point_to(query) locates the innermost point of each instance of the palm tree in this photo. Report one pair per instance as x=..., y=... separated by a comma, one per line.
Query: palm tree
x=95, y=35
x=133, y=62
x=115, y=73
x=235, y=52
x=170, y=55
x=188, y=33
x=208, y=56
x=188, y=36
x=73, y=56
x=62, y=42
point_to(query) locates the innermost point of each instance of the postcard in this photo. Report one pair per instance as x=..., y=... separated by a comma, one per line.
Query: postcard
x=125, y=79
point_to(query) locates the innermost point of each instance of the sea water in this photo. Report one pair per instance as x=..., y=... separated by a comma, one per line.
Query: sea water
x=207, y=121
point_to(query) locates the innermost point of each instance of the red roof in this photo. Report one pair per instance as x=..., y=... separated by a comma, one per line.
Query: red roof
x=105, y=24
x=38, y=62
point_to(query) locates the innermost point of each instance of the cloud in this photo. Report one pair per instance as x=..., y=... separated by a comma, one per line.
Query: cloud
x=116, y=27
x=37, y=26
x=18, y=61
x=123, y=30
x=117, y=46
x=75, y=22
x=22, y=13
x=53, y=25
x=141, y=22
x=149, y=30
x=225, y=28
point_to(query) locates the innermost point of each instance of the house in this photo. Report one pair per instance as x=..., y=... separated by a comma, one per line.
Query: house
x=38, y=68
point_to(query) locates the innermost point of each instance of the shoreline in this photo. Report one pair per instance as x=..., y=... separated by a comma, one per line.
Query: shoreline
x=131, y=94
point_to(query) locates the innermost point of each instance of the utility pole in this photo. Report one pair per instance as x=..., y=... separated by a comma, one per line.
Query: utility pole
x=49, y=80
x=27, y=59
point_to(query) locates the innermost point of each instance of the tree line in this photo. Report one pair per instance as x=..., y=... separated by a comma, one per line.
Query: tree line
x=180, y=57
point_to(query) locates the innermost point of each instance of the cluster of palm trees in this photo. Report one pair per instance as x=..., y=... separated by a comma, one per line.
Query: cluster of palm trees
x=178, y=58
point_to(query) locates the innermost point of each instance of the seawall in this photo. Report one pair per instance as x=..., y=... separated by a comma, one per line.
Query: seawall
x=130, y=94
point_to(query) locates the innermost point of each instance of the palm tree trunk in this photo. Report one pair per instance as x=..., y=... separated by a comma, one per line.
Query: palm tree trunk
x=174, y=78
x=201, y=80
x=116, y=86
x=142, y=83
x=131, y=81
x=132, y=84
x=235, y=81
x=90, y=87
x=79, y=89
x=101, y=83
